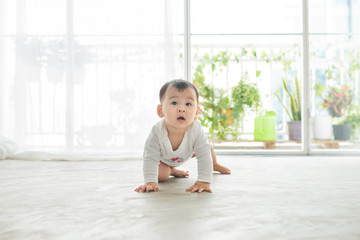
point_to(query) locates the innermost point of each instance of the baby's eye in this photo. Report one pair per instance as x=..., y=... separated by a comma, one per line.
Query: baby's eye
x=188, y=104
x=173, y=103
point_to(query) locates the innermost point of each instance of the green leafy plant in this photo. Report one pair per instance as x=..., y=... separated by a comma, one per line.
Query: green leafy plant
x=336, y=96
x=338, y=100
x=244, y=95
x=223, y=112
x=294, y=96
x=354, y=120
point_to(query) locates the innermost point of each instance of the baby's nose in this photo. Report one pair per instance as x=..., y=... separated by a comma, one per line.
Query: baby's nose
x=181, y=109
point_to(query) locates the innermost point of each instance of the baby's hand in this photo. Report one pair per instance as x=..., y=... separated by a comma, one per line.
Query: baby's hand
x=199, y=187
x=148, y=187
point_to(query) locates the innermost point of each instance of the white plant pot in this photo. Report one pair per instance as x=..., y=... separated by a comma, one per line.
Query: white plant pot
x=322, y=127
x=229, y=136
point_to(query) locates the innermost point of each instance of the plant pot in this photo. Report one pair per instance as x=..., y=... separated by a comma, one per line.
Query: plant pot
x=31, y=73
x=332, y=112
x=294, y=130
x=99, y=135
x=322, y=127
x=342, y=131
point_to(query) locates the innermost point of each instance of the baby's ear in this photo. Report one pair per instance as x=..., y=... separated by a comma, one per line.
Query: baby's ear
x=159, y=111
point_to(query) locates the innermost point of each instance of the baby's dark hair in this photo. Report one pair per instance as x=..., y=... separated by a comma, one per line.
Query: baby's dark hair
x=180, y=85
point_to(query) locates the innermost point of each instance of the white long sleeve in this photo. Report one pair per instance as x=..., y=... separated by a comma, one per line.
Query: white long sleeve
x=158, y=148
x=203, y=155
x=152, y=157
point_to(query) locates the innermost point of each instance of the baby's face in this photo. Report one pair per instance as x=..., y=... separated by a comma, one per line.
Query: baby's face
x=179, y=108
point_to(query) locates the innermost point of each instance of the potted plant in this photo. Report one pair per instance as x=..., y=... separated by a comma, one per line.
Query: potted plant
x=322, y=127
x=321, y=122
x=82, y=57
x=294, y=95
x=223, y=114
x=55, y=56
x=338, y=101
x=244, y=95
x=99, y=135
x=223, y=111
x=354, y=120
x=29, y=58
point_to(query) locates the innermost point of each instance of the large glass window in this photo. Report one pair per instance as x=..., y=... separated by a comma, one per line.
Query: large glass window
x=335, y=75
x=243, y=55
x=87, y=78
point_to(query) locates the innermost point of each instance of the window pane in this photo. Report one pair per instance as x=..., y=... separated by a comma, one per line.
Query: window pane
x=335, y=76
x=255, y=67
x=106, y=84
x=128, y=17
x=43, y=16
x=34, y=91
x=334, y=16
x=116, y=84
x=7, y=17
x=243, y=16
x=33, y=17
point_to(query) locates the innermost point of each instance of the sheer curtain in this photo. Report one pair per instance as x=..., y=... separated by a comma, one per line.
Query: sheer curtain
x=84, y=76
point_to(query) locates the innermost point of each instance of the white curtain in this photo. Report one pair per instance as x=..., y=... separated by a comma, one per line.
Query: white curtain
x=83, y=76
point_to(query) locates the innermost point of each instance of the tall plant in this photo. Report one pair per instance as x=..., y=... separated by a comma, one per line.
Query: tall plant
x=294, y=99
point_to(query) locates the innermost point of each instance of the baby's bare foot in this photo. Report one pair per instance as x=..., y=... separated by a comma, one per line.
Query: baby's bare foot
x=221, y=169
x=179, y=173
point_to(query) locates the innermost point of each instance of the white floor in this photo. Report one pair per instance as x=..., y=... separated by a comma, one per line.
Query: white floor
x=263, y=198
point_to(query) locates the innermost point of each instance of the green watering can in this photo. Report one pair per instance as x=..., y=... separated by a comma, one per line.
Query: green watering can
x=265, y=126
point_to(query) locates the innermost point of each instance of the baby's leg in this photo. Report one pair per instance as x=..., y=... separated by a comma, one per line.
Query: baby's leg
x=178, y=173
x=216, y=166
x=164, y=172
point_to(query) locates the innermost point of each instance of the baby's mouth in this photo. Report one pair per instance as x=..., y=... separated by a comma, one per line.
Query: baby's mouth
x=180, y=118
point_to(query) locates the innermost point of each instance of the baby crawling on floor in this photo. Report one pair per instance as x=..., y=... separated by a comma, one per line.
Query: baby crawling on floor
x=176, y=138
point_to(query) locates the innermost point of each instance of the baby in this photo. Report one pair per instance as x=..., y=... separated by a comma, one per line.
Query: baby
x=176, y=138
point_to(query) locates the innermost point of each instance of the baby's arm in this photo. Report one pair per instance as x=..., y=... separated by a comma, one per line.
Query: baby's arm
x=204, y=159
x=151, y=165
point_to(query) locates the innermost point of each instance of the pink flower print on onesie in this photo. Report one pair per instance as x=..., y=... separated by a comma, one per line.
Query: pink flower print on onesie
x=177, y=159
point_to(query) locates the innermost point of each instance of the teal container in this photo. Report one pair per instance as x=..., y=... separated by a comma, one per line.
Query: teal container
x=264, y=129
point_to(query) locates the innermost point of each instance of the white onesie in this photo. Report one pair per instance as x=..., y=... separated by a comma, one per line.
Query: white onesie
x=158, y=148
